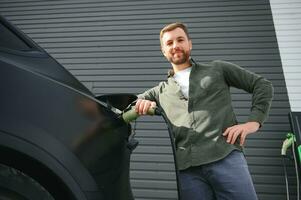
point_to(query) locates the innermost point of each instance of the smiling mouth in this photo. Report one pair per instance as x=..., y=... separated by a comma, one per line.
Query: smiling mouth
x=178, y=52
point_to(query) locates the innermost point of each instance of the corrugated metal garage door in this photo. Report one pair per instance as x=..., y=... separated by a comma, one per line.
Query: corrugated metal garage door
x=113, y=47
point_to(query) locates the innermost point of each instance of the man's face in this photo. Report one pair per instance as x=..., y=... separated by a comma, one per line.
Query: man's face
x=176, y=47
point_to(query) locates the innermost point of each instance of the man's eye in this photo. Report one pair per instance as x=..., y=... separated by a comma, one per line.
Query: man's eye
x=168, y=44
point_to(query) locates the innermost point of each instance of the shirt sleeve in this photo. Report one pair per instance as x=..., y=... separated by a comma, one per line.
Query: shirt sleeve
x=151, y=94
x=261, y=89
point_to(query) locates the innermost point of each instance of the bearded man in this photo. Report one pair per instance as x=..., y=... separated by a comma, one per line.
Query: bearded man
x=196, y=100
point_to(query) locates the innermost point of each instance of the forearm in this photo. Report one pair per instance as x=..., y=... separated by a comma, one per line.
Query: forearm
x=260, y=88
x=262, y=96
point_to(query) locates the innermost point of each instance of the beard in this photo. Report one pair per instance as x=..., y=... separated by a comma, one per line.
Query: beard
x=179, y=60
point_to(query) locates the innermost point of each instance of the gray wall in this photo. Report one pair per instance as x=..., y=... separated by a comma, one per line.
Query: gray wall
x=113, y=47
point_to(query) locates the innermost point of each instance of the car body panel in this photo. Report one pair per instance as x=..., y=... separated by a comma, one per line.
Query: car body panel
x=48, y=110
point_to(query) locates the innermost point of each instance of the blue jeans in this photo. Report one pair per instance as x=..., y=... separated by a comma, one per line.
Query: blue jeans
x=226, y=179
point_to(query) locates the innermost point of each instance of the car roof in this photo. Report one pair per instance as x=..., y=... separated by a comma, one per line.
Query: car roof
x=18, y=49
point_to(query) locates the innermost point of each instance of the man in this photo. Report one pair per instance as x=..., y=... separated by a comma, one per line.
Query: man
x=197, y=103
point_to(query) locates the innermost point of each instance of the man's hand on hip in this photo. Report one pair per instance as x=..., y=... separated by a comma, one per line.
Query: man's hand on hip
x=240, y=130
x=143, y=105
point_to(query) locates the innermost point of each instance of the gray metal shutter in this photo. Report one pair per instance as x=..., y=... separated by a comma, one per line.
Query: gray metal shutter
x=113, y=47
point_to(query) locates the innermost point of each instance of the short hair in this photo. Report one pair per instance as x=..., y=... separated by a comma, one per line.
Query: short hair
x=173, y=26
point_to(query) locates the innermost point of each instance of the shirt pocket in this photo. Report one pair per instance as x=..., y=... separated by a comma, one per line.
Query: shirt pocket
x=211, y=83
x=213, y=80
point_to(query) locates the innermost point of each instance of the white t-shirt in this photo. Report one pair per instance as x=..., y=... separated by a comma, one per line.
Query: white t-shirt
x=182, y=78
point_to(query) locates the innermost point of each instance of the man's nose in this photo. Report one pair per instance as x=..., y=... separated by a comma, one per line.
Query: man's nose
x=175, y=45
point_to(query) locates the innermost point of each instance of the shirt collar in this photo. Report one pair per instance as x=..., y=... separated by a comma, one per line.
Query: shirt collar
x=171, y=72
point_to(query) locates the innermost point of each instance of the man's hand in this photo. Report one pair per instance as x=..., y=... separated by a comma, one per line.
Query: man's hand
x=143, y=105
x=241, y=130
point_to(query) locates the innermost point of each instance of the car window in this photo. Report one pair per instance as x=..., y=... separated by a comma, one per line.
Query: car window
x=8, y=39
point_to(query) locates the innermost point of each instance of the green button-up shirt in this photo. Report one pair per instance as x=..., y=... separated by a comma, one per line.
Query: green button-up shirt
x=199, y=121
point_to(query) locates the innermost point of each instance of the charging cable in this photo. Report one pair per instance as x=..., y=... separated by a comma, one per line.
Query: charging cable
x=288, y=142
x=297, y=173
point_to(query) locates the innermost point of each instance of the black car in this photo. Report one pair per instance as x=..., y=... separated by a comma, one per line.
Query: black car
x=57, y=140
